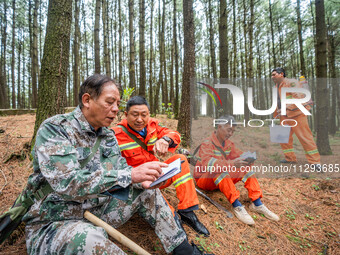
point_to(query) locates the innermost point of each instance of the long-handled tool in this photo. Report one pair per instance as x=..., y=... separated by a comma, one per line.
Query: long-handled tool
x=115, y=234
x=229, y=214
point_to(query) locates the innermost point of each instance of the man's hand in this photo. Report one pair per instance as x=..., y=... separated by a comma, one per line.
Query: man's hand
x=146, y=185
x=238, y=162
x=161, y=147
x=147, y=172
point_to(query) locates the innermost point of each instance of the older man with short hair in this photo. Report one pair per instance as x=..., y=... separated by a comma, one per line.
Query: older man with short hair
x=79, y=158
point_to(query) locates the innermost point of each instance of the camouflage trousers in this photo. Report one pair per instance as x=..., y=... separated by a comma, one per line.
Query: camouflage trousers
x=82, y=237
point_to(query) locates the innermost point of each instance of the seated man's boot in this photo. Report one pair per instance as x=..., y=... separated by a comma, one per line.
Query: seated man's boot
x=186, y=249
x=285, y=161
x=191, y=219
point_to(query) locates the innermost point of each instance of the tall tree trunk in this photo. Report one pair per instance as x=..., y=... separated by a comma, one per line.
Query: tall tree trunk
x=245, y=29
x=105, y=19
x=19, y=105
x=212, y=40
x=97, y=68
x=160, y=80
x=234, y=40
x=151, y=101
x=299, y=24
x=272, y=32
x=335, y=87
x=23, y=94
x=85, y=40
x=223, y=35
x=120, y=41
x=13, y=56
x=3, y=79
x=76, y=77
x=321, y=75
x=132, y=74
x=188, y=71
x=162, y=57
x=55, y=62
x=176, y=105
x=114, y=33
x=142, y=72
x=34, y=59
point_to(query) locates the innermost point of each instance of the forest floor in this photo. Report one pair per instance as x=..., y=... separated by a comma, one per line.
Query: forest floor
x=308, y=204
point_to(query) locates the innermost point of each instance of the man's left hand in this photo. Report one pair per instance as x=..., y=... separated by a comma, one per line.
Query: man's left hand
x=161, y=147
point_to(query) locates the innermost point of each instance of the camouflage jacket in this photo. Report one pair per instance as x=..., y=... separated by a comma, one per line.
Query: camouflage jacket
x=62, y=142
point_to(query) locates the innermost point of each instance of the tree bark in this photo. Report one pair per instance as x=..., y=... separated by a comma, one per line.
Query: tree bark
x=97, y=68
x=332, y=75
x=55, y=62
x=188, y=71
x=3, y=79
x=120, y=41
x=176, y=105
x=85, y=41
x=299, y=24
x=165, y=99
x=132, y=73
x=151, y=100
x=34, y=58
x=321, y=75
x=142, y=72
x=234, y=40
x=76, y=78
x=223, y=35
x=212, y=40
x=13, y=56
x=272, y=32
x=107, y=60
x=18, y=76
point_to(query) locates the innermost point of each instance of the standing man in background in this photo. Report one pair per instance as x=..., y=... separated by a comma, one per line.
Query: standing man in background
x=301, y=130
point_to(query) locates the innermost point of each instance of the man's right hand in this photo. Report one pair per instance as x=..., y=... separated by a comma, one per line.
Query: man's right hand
x=149, y=171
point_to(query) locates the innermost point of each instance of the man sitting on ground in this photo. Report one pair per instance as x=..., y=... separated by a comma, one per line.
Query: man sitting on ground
x=157, y=139
x=218, y=151
x=78, y=157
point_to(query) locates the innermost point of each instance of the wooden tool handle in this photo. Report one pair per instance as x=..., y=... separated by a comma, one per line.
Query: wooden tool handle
x=115, y=234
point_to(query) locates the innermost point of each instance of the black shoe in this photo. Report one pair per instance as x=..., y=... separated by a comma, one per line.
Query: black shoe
x=285, y=161
x=191, y=219
x=199, y=250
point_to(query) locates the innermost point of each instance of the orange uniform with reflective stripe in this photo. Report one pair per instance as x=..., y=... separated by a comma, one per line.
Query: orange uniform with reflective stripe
x=302, y=130
x=136, y=155
x=212, y=158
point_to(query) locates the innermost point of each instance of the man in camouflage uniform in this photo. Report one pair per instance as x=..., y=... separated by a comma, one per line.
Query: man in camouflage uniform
x=104, y=185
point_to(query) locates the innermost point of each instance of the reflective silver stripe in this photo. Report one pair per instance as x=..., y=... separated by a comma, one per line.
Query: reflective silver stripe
x=312, y=152
x=152, y=141
x=288, y=150
x=182, y=179
x=245, y=178
x=220, y=178
x=212, y=162
x=128, y=146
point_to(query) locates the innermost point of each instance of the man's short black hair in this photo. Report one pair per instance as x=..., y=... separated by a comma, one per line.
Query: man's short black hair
x=280, y=70
x=93, y=85
x=136, y=100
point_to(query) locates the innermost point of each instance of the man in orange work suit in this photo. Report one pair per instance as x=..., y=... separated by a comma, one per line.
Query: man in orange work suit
x=160, y=140
x=221, y=167
x=301, y=130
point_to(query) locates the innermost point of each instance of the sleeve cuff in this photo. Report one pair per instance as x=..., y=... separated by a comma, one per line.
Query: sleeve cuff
x=124, y=178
